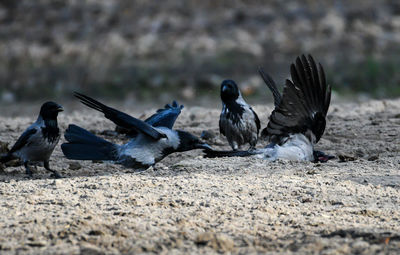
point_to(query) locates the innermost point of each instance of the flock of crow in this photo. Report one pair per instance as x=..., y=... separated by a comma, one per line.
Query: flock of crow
x=295, y=126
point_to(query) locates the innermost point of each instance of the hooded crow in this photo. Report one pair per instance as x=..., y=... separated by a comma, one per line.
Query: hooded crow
x=154, y=140
x=37, y=142
x=299, y=118
x=238, y=122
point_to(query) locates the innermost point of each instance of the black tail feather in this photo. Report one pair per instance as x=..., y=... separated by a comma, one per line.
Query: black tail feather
x=83, y=145
x=219, y=154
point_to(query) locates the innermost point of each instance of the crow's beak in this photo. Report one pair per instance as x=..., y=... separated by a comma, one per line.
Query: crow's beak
x=224, y=88
x=60, y=108
x=203, y=146
x=325, y=158
x=321, y=157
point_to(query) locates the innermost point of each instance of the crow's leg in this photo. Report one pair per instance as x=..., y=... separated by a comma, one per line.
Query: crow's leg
x=28, y=170
x=55, y=173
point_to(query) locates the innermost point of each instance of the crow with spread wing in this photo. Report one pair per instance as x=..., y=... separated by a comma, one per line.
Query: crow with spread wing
x=299, y=118
x=154, y=138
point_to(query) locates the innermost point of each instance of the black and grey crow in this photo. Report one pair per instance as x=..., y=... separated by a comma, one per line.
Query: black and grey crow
x=154, y=140
x=37, y=142
x=238, y=122
x=299, y=118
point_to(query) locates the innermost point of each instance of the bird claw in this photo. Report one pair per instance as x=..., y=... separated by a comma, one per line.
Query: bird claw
x=29, y=173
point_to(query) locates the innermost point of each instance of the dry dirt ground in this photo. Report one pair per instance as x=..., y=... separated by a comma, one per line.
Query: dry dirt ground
x=190, y=204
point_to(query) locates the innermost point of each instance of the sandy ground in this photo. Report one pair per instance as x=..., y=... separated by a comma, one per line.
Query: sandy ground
x=190, y=204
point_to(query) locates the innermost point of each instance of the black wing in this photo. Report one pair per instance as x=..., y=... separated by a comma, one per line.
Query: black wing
x=304, y=103
x=221, y=130
x=120, y=118
x=272, y=86
x=256, y=119
x=23, y=139
x=165, y=117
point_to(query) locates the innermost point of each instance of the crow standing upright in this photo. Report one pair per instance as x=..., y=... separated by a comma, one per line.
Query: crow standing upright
x=238, y=122
x=299, y=118
x=149, y=145
x=37, y=142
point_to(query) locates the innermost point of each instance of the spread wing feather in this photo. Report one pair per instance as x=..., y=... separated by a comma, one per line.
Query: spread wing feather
x=120, y=118
x=165, y=117
x=271, y=85
x=304, y=103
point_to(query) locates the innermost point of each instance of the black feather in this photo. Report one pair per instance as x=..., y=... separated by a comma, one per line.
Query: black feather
x=83, y=145
x=304, y=103
x=256, y=119
x=271, y=85
x=22, y=140
x=120, y=118
x=165, y=117
x=219, y=154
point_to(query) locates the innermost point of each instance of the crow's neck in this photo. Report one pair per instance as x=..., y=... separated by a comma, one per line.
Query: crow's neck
x=50, y=129
x=51, y=123
x=234, y=107
x=234, y=111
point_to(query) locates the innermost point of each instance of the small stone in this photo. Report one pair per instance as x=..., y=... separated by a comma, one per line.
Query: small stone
x=373, y=158
x=74, y=166
x=3, y=147
x=204, y=238
x=346, y=158
x=223, y=243
x=90, y=249
x=360, y=153
x=311, y=172
x=219, y=242
x=36, y=244
x=360, y=245
x=95, y=232
x=207, y=135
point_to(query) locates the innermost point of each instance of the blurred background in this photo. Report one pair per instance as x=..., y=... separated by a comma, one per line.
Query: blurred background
x=154, y=51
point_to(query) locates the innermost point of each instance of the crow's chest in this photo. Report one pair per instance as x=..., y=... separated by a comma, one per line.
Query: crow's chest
x=50, y=134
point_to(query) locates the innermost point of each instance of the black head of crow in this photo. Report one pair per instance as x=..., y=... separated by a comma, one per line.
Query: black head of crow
x=38, y=141
x=229, y=91
x=187, y=142
x=50, y=110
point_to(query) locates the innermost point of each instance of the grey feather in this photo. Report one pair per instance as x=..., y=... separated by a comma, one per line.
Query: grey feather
x=32, y=145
